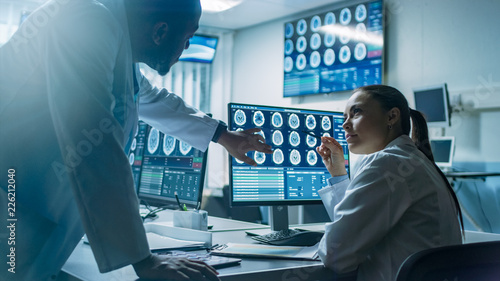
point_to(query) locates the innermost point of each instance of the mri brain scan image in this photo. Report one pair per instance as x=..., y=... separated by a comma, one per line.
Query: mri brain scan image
x=294, y=139
x=311, y=141
x=168, y=145
x=288, y=30
x=315, y=23
x=277, y=138
x=315, y=59
x=278, y=156
x=312, y=157
x=301, y=44
x=345, y=16
x=330, y=18
x=258, y=118
x=310, y=122
x=153, y=140
x=293, y=121
x=360, y=51
x=240, y=118
x=259, y=157
x=345, y=54
x=360, y=13
x=329, y=57
x=301, y=62
x=277, y=120
x=301, y=27
x=131, y=158
x=185, y=148
x=326, y=124
x=295, y=157
x=315, y=41
x=288, y=64
x=133, y=146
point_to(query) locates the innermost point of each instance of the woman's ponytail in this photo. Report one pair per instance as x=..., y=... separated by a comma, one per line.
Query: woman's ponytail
x=420, y=133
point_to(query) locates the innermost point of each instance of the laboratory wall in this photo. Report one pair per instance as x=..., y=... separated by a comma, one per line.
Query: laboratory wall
x=426, y=42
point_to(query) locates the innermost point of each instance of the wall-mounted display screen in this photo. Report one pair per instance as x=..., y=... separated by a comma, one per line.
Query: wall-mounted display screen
x=201, y=49
x=335, y=50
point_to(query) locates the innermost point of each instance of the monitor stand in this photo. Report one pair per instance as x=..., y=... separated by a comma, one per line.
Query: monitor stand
x=278, y=220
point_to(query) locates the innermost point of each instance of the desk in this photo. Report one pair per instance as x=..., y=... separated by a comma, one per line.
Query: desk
x=81, y=264
x=470, y=175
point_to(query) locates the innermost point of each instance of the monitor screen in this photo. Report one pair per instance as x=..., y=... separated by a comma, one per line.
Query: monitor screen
x=137, y=151
x=336, y=50
x=170, y=166
x=433, y=102
x=295, y=172
x=443, y=149
x=201, y=49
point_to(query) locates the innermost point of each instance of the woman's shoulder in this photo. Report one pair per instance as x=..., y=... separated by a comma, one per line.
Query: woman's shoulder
x=399, y=152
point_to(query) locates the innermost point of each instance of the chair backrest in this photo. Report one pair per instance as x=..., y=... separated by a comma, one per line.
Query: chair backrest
x=475, y=261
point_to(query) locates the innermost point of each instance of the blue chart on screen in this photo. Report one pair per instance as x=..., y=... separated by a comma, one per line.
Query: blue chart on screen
x=336, y=50
x=294, y=171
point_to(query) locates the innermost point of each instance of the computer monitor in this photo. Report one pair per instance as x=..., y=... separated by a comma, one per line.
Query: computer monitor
x=201, y=49
x=170, y=166
x=433, y=102
x=294, y=173
x=443, y=149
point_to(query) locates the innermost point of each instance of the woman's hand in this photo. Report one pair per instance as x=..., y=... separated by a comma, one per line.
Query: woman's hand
x=333, y=156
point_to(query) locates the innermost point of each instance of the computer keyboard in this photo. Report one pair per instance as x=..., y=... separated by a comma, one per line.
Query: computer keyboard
x=213, y=261
x=290, y=237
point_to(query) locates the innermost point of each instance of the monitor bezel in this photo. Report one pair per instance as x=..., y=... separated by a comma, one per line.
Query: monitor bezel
x=233, y=203
x=449, y=163
x=169, y=202
x=446, y=99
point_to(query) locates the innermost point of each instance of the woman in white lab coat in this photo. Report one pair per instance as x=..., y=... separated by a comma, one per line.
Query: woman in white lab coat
x=397, y=202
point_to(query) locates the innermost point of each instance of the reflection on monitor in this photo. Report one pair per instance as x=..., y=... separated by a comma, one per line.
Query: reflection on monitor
x=201, y=49
x=336, y=50
x=168, y=166
x=443, y=149
x=433, y=102
x=294, y=173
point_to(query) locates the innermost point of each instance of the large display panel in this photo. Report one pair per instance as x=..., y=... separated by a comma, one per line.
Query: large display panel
x=294, y=173
x=170, y=166
x=201, y=49
x=335, y=50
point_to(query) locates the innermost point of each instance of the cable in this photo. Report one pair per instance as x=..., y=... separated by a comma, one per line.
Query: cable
x=481, y=206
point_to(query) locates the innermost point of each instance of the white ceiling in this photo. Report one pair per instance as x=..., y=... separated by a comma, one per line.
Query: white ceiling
x=252, y=12
x=247, y=13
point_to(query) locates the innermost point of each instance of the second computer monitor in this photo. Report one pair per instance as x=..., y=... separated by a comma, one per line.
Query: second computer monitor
x=170, y=166
x=294, y=173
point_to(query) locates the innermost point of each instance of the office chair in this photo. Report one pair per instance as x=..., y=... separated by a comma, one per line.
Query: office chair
x=475, y=262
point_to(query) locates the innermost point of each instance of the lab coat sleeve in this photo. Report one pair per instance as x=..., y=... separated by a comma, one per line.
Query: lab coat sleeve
x=81, y=50
x=171, y=115
x=362, y=212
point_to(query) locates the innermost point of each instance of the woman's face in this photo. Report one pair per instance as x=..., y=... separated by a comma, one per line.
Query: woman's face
x=366, y=124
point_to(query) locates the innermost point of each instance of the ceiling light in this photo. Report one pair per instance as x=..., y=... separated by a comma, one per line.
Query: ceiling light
x=216, y=6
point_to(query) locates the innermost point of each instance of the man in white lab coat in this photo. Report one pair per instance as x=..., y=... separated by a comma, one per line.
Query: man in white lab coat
x=70, y=98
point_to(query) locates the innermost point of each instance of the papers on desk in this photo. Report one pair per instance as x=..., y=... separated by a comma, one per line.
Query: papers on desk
x=267, y=251
x=164, y=237
x=160, y=242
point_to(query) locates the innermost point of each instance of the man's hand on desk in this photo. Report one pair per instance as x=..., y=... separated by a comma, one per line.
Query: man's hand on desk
x=238, y=143
x=166, y=268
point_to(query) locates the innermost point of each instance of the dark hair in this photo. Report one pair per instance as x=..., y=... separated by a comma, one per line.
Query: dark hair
x=390, y=98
